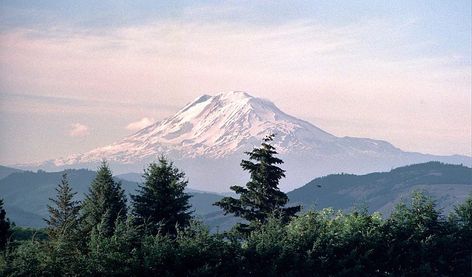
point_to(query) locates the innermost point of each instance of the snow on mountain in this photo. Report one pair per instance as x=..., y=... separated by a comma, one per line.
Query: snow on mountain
x=213, y=127
x=208, y=137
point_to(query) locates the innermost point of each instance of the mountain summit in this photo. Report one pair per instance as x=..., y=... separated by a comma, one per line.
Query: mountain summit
x=208, y=137
x=215, y=127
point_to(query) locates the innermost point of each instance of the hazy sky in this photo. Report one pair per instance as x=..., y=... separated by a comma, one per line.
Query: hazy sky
x=75, y=75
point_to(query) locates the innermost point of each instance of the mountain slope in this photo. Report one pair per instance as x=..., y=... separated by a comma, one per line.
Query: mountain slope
x=449, y=184
x=5, y=171
x=212, y=127
x=208, y=138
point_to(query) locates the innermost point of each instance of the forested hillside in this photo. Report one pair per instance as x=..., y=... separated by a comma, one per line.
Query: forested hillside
x=448, y=184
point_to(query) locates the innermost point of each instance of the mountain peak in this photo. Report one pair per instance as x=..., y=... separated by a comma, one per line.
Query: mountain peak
x=213, y=127
x=226, y=106
x=234, y=95
x=221, y=99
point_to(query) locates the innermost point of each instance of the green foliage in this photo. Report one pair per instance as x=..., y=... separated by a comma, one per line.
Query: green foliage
x=460, y=222
x=23, y=233
x=5, y=231
x=161, y=203
x=327, y=243
x=417, y=238
x=115, y=255
x=193, y=252
x=463, y=214
x=64, y=257
x=159, y=255
x=105, y=203
x=204, y=254
x=261, y=198
x=28, y=259
x=350, y=244
x=63, y=216
x=265, y=250
x=414, y=241
x=64, y=251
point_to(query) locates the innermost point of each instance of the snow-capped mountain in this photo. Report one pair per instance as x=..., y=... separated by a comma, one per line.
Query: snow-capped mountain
x=208, y=137
x=212, y=127
x=218, y=126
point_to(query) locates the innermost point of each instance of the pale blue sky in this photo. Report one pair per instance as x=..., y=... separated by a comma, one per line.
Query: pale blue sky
x=75, y=74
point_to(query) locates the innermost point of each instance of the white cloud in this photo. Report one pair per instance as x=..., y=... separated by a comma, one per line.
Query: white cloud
x=137, y=125
x=79, y=130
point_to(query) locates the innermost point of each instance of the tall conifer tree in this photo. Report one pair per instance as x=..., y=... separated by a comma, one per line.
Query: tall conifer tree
x=64, y=214
x=64, y=232
x=161, y=202
x=261, y=197
x=105, y=201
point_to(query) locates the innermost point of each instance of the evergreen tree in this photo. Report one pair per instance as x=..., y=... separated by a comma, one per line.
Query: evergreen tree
x=116, y=254
x=105, y=201
x=461, y=220
x=28, y=259
x=5, y=231
x=463, y=214
x=63, y=216
x=161, y=202
x=261, y=198
x=413, y=237
x=63, y=247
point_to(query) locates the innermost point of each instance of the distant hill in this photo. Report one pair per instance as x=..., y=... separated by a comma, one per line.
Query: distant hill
x=132, y=177
x=26, y=194
x=138, y=178
x=448, y=184
x=5, y=171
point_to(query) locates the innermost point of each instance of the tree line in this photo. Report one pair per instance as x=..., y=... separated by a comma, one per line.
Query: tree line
x=157, y=235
